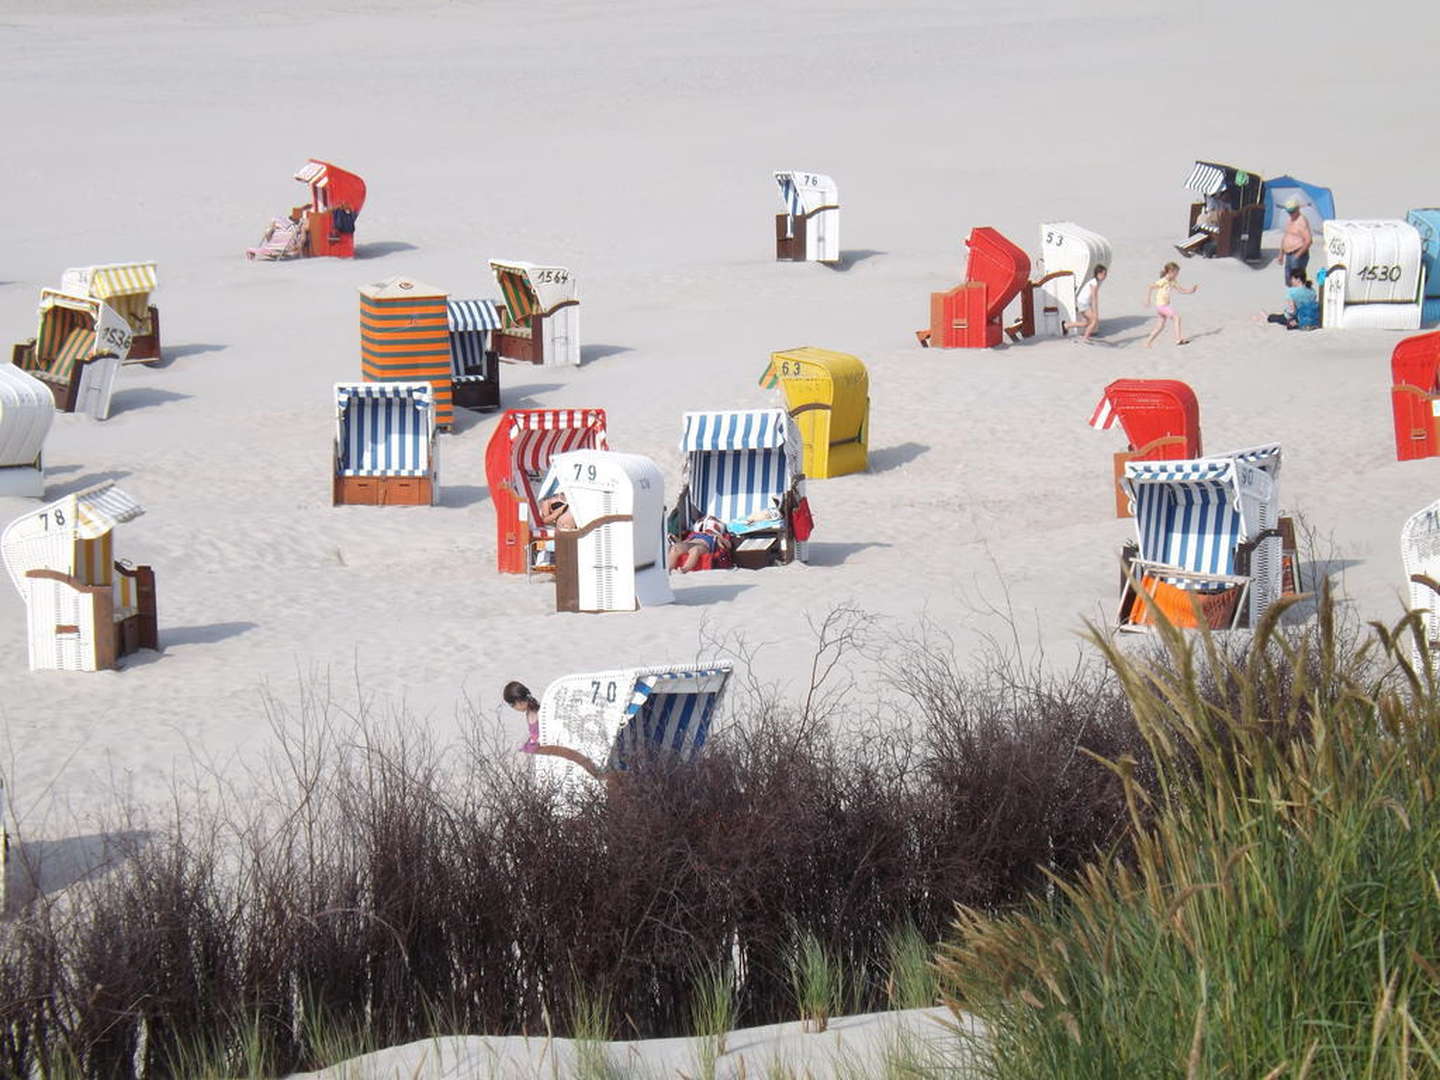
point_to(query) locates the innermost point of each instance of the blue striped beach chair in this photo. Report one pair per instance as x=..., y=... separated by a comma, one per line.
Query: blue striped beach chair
x=607, y=722
x=744, y=468
x=385, y=444
x=475, y=368
x=1208, y=541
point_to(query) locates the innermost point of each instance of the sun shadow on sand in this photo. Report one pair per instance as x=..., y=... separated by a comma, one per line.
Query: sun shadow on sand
x=1313, y=574
x=143, y=397
x=172, y=637
x=590, y=353
x=892, y=457
x=179, y=352
x=823, y=553
x=80, y=483
x=709, y=594
x=47, y=866
x=381, y=248
x=460, y=496
x=850, y=258
x=523, y=397
x=464, y=419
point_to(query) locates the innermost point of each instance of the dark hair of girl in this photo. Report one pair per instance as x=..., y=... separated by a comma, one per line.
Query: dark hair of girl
x=517, y=692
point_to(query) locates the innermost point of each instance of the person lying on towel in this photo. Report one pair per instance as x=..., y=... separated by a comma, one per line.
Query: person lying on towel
x=708, y=537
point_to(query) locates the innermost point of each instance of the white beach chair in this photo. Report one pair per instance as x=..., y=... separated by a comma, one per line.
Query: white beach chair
x=1420, y=549
x=1208, y=542
x=84, y=608
x=601, y=723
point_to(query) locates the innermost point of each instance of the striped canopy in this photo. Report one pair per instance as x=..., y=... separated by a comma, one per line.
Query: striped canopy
x=310, y=172
x=469, y=316
x=1105, y=415
x=670, y=710
x=115, y=279
x=740, y=463
x=100, y=508
x=529, y=289
x=384, y=429
x=537, y=435
x=1207, y=179
x=804, y=192
x=1194, y=514
x=753, y=429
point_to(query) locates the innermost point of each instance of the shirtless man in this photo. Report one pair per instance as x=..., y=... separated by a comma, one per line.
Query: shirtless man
x=1295, y=244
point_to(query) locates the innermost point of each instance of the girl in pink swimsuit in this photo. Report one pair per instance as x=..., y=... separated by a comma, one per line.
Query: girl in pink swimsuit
x=1161, y=291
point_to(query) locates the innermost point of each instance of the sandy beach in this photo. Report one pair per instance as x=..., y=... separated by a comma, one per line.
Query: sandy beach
x=634, y=144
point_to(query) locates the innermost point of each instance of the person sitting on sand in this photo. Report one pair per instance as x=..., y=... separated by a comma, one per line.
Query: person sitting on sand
x=517, y=695
x=708, y=537
x=1302, y=306
x=1087, y=306
x=1160, y=289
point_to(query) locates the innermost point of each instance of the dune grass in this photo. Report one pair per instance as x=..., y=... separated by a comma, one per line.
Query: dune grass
x=1277, y=911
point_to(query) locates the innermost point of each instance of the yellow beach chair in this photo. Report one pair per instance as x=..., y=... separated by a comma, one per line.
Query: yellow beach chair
x=828, y=396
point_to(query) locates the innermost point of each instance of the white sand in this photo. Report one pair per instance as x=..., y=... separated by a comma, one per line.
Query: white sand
x=853, y=1046
x=634, y=143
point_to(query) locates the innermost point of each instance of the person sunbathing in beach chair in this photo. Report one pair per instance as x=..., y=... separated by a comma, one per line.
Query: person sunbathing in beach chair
x=709, y=538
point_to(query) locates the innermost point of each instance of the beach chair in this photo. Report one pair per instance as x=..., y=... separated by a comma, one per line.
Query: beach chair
x=405, y=337
x=597, y=724
x=809, y=228
x=76, y=351
x=27, y=409
x=1069, y=255
x=970, y=315
x=1427, y=223
x=385, y=450
x=542, y=314
x=328, y=219
x=828, y=396
x=517, y=460
x=1230, y=219
x=283, y=239
x=1414, y=393
x=1420, y=550
x=126, y=289
x=614, y=558
x=84, y=608
x=1374, y=276
x=1161, y=421
x=743, y=467
x=1208, y=548
x=474, y=365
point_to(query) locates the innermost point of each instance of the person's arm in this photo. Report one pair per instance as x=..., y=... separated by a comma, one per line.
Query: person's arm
x=1186, y=290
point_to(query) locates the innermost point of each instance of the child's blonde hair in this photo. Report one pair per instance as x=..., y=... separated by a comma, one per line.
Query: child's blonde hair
x=1168, y=267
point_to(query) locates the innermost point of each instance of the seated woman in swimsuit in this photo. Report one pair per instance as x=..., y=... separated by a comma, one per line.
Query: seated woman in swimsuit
x=709, y=537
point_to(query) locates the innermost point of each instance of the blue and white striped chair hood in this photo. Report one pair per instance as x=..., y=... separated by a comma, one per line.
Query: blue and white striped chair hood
x=670, y=710
x=610, y=716
x=1194, y=514
x=739, y=462
x=471, y=322
x=384, y=429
